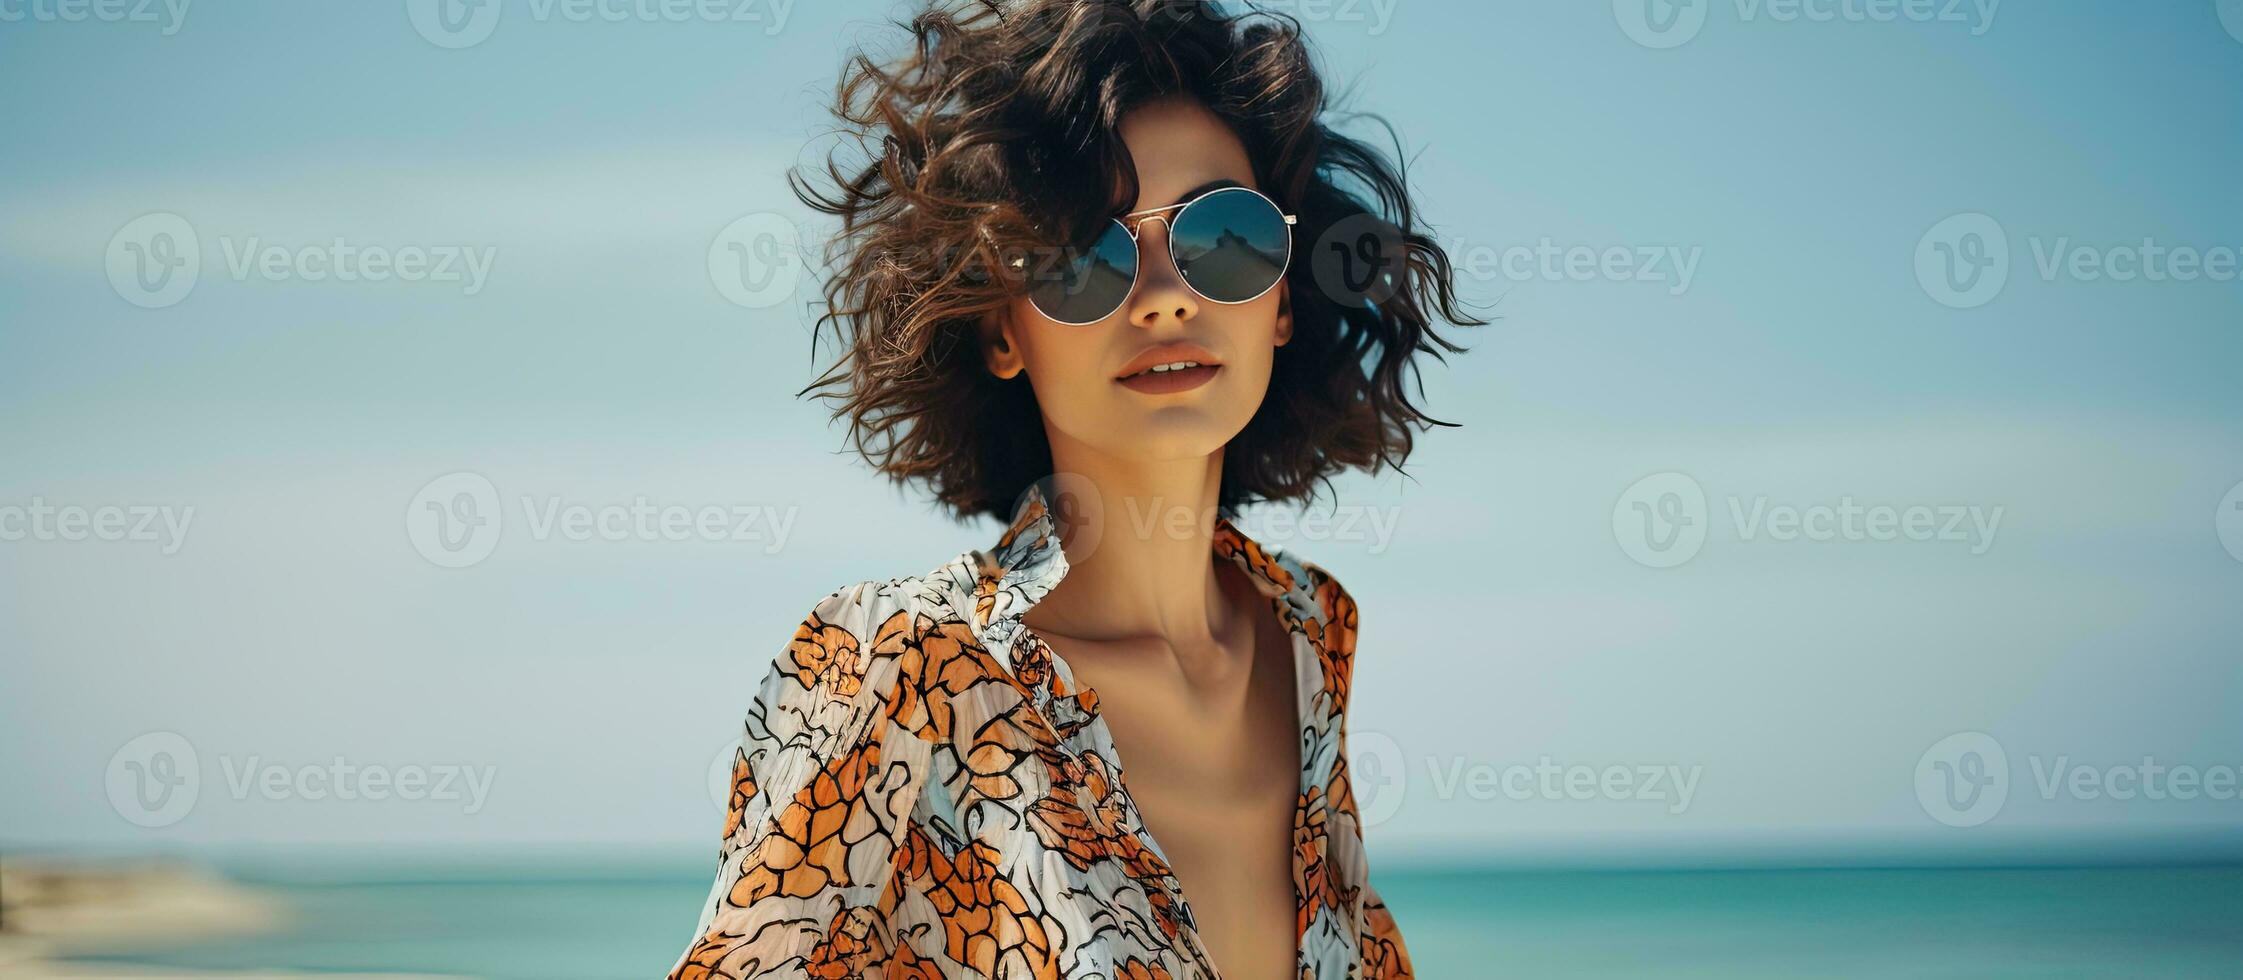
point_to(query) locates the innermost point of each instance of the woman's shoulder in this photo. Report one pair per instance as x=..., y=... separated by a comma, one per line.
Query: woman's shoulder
x=916, y=603
x=1280, y=568
x=838, y=640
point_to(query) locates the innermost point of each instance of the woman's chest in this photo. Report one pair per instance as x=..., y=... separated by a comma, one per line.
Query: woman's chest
x=1215, y=779
x=1035, y=803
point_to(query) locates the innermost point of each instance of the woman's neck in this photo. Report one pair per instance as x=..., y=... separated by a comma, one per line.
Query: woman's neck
x=1140, y=550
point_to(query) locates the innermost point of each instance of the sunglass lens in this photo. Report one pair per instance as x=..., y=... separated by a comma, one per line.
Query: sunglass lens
x=1231, y=245
x=1085, y=285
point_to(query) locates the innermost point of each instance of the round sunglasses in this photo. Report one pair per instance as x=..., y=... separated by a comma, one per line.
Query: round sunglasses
x=1230, y=245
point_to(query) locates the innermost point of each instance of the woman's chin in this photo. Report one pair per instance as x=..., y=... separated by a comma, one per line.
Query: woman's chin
x=1163, y=434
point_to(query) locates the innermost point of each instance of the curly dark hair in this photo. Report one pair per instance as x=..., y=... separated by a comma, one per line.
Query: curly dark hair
x=995, y=131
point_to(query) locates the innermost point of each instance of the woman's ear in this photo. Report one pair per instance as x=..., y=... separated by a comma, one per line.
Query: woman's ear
x=998, y=351
x=1284, y=313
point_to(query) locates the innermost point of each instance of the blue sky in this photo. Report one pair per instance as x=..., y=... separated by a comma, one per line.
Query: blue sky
x=1796, y=164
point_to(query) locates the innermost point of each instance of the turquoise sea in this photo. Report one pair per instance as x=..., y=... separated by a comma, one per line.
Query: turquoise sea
x=1737, y=925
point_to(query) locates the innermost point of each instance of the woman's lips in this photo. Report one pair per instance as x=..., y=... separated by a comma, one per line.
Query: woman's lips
x=1166, y=382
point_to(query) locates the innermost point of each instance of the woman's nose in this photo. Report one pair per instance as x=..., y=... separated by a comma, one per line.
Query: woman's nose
x=1161, y=292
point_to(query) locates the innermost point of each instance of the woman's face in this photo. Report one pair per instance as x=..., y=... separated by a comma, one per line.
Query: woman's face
x=1087, y=378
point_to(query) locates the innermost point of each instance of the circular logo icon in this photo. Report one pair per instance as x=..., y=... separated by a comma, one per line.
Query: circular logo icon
x=1077, y=512
x=1963, y=262
x=455, y=521
x=1661, y=520
x=755, y=260
x=1378, y=775
x=154, y=779
x=1361, y=259
x=453, y=24
x=1963, y=779
x=2231, y=17
x=1661, y=24
x=2228, y=521
x=154, y=260
x=721, y=768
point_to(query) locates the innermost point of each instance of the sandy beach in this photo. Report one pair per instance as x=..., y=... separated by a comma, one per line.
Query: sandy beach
x=51, y=909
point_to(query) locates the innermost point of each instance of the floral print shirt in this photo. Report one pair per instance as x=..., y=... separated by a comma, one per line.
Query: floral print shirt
x=923, y=792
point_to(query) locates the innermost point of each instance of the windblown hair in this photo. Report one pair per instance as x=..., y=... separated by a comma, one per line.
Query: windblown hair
x=996, y=133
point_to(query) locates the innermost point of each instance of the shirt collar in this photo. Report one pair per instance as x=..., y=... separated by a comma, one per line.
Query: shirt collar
x=1009, y=578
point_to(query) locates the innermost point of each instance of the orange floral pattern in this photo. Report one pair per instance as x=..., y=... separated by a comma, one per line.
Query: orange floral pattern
x=923, y=793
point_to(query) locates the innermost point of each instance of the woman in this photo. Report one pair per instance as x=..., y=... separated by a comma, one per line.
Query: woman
x=1076, y=294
